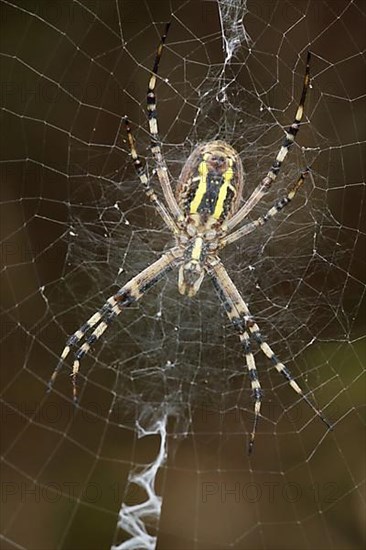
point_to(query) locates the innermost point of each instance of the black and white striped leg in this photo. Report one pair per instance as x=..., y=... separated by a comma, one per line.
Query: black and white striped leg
x=100, y=321
x=272, y=174
x=255, y=384
x=150, y=193
x=271, y=213
x=242, y=320
x=234, y=317
x=161, y=167
x=282, y=369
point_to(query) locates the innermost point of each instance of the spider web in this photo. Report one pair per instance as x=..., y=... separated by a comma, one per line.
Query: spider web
x=165, y=401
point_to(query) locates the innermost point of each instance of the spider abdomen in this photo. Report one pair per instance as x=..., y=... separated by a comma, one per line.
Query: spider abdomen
x=211, y=183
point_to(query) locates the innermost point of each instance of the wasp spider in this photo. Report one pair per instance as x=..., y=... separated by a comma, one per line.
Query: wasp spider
x=202, y=216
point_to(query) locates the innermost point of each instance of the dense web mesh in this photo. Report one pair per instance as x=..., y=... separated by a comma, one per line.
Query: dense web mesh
x=155, y=453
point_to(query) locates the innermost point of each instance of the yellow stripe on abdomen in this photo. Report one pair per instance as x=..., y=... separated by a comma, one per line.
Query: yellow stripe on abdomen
x=228, y=176
x=202, y=186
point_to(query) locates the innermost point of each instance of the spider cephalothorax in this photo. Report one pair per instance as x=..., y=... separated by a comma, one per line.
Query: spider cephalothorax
x=201, y=216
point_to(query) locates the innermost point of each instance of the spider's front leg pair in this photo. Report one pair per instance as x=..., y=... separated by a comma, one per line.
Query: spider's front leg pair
x=267, y=182
x=241, y=318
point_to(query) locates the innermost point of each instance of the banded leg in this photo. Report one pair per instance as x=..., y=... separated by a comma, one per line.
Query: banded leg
x=241, y=318
x=267, y=181
x=234, y=314
x=99, y=321
x=255, y=384
x=161, y=167
x=151, y=195
x=282, y=369
x=271, y=213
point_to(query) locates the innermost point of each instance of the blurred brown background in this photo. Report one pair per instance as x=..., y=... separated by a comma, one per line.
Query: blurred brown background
x=75, y=227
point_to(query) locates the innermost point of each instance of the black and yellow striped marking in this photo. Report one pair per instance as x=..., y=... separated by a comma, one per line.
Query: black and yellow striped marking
x=213, y=188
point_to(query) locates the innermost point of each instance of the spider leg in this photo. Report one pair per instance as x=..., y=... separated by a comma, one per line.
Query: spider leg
x=239, y=314
x=254, y=382
x=282, y=369
x=267, y=181
x=99, y=321
x=234, y=315
x=151, y=195
x=161, y=167
x=271, y=213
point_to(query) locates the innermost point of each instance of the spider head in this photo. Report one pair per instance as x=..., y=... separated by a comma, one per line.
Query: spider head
x=190, y=277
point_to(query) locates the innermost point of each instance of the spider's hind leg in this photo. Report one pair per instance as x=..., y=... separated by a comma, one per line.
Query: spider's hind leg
x=239, y=314
x=233, y=312
x=282, y=369
x=257, y=392
x=99, y=321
